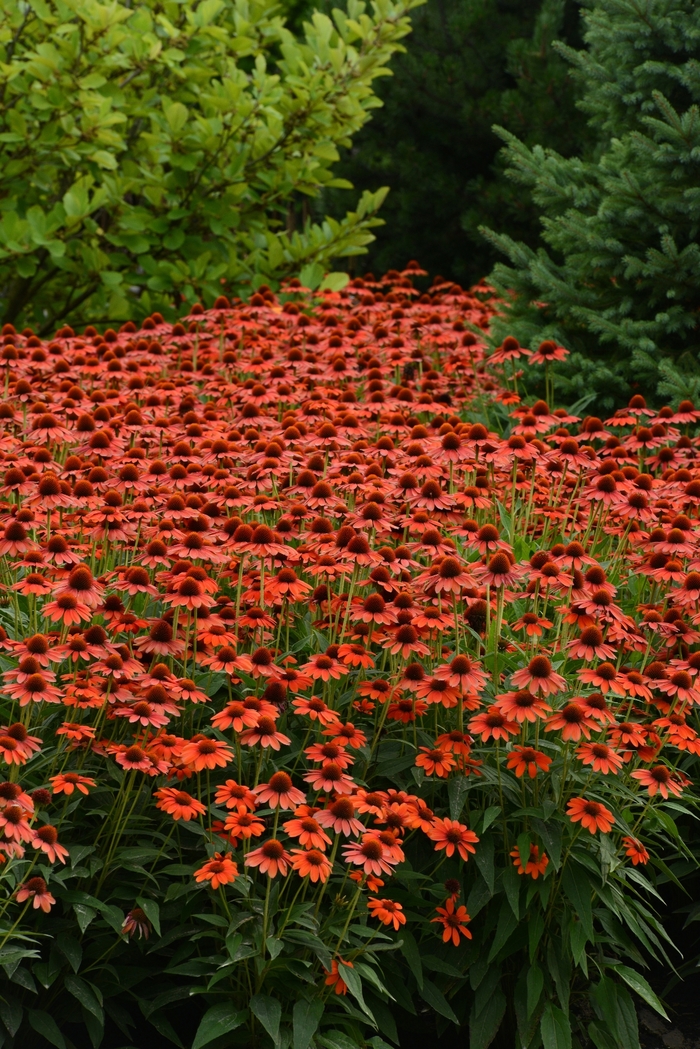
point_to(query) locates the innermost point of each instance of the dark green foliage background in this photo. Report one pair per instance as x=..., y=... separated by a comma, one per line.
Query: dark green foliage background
x=467, y=66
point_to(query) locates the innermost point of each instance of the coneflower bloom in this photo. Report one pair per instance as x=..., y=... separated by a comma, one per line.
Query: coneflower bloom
x=659, y=779
x=279, y=792
x=404, y=640
x=329, y=751
x=35, y=889
x=219, y=870
x=493, y=724
x=369, y=854
x=573, y=720
x=271, y=857
x=235, y=796
x=14, y=823
x=522, y=705
x=527, y=759
x=600, y=756
x=635, y=851
x=322, y=667
x=462, y=673
x=243, y=825
x=204, y=753
x=590, y=645
x=339, y=816
x=536, y=864
x=453, y=837
x=435, y=762
x=235, y=715
x=316, y=710
x=539, y=676
x=387, y=912
x=331, y=777
x=334, y=977
x=308, y=831
x=179, y=804
x=46, y=839
x=604, y=677
x=591, y=814
x=265, y=733
x=68, y=782
x=311, y=863
x=454, y=922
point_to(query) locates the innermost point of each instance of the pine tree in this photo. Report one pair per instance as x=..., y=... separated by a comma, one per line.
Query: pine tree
x=616, y=278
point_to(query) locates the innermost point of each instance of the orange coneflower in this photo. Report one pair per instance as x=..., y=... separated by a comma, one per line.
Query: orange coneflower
x=265, y=733
x=591, y=814
x=539, y=676
x=331, y=777
x=279, y=792
x=311, y=863
x=35, y=889
x=272, y=858
x=235, y=715
x=635, y=851
x=67, y=782
x=435, y=761
x=243, y=825
x=219, y=870
x=573, y=720
x=659, y=779
x=204, y=753
x=46, y=839
x=527, y=759
x=308, y=831
x=493, y=724
x=387, y=911
x=339, y=816
x=369, y=854
x=453, y=836
x=522, y=705
x=600, y=756
x=536, y=864
x=453, y=920
x=179, y=804
x=235, y=796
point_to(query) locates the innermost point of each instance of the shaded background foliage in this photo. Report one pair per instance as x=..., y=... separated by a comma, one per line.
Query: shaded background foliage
x=467, y=67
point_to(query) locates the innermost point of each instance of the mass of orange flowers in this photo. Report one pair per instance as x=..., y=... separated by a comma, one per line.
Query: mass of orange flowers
x=290, y=568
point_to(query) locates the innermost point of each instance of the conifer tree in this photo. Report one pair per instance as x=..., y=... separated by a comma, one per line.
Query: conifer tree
x=616, y=278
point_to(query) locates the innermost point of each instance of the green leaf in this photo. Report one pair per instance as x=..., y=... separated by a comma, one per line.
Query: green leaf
x=269, y=1012
x=305, y=1020
x=86, y=995
x=412, y=955
x=642, y=988
x=334, y=281
x=507, y=924
x=535, y=984
x=484, y=859
x=354, y=981
x=311, y=275
x=45, y=1025
x=577, y=887
x=218, y=1020
x=436, y=1000
x=555, y=1028
x=511, y=884
x=523, y=843
x=484, y=1026
x=152, y=911
x=176, y=116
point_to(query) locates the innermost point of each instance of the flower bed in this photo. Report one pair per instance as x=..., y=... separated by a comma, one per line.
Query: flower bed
x=337, y=681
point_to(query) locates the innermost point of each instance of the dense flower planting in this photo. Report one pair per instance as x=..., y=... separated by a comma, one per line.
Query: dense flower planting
x=336, y=679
